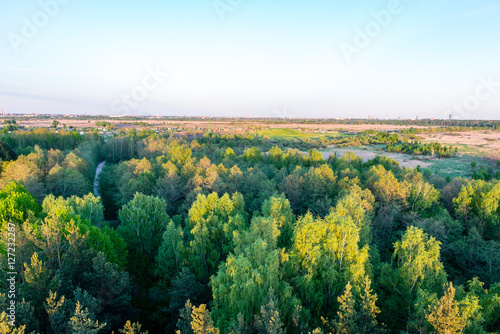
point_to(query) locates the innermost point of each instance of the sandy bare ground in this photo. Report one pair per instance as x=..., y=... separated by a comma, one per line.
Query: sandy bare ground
x=485, y=142
x=82, y=123
x=230, y=125
x=403, y=159
x=247, y=125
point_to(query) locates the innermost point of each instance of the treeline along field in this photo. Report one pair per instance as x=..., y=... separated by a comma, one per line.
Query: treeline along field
x=210, y=233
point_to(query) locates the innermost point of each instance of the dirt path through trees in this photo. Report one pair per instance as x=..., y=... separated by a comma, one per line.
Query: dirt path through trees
x=98, y=171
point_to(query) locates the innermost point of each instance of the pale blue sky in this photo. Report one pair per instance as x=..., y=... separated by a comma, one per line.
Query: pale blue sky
x=262, y=58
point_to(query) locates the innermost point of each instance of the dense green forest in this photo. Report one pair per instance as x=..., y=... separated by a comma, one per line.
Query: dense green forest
x=209, y=233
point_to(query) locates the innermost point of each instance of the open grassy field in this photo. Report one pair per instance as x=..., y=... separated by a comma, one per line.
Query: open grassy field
x=457, y=166
x=290, y=134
